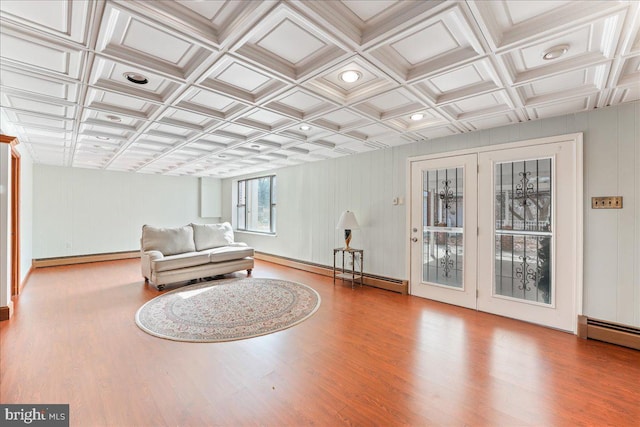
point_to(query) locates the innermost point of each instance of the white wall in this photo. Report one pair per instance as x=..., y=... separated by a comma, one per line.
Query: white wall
x=84, y=211
x=312, y=196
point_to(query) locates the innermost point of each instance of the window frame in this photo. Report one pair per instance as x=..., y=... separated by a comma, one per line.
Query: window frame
x=242, y=188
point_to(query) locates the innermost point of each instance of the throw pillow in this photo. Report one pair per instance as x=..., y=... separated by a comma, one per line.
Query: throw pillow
x=169, y=241
x=209, y=236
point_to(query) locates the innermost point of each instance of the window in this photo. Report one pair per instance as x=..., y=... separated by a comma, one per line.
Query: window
x=256, y=208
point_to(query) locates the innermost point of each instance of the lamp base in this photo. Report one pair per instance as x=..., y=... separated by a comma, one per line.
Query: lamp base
x=347, y=238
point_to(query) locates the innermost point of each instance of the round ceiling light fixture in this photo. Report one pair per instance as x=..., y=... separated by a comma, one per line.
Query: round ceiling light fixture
x=305, y=128
x=104, y=138
x=417, y=116
x=256, y=146
x=136, y=78
x=350, y=76
x=114, y=118
x=555, y=52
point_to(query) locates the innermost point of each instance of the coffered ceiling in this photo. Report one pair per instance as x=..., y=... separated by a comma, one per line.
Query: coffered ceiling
x=236, y=87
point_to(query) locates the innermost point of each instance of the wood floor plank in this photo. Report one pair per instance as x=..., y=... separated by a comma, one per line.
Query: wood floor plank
x=368, y=357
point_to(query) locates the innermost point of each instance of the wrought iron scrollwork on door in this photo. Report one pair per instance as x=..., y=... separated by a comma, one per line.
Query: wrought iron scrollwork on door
x=446, y=194
x=524, y=189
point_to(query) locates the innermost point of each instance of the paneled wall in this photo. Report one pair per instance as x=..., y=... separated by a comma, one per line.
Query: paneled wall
x=85, y=211
x=312, y=196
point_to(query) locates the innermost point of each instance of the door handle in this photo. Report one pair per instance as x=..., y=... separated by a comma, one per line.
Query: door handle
x=414, y=239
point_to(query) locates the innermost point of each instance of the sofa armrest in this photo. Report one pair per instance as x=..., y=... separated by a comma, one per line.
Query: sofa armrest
x=238, y=244
x=146, y=257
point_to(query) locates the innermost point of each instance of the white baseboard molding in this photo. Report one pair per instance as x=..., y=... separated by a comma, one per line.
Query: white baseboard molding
x=395, y=285
x=82, y=259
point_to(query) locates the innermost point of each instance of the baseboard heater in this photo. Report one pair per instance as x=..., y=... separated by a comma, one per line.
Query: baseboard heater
x=395, y=285
x=611, y=332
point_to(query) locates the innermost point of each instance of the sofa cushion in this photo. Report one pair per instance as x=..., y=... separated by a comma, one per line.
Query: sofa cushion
x=169, y=241
x=229, y=253
x=207, y=236
x=174, y=262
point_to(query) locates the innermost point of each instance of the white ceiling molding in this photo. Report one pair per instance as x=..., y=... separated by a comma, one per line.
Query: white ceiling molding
x=236, y=87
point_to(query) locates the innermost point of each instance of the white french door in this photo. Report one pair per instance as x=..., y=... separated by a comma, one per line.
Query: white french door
x=444, y=230
x=503, y=235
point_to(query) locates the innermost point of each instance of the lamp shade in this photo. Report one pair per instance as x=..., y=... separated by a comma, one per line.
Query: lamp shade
x=347, y=221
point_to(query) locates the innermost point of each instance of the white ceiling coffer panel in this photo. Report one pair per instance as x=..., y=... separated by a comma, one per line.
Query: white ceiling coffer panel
x=241, y=81
x=111, y=75
x=471, y=79
x=215, y=22
x=66, y=19
x=582, y=103
x=566, y=85
x=340, y=121
x=371, y=132
x=592, y=43
x=366, y=22
x=390, y=104
x=300, y=104
x=37, y=85
x=278, y=83
x=497, y=120
x=487, y=104
x=290, y=44
x=630, y=72
x=239, y=133
x=129, y=38
x=38, y=137
x=436, y=132
x=211, y=103
x=457, y=43
x=187, y=119
x=264, y=120
x=331, y=84
x=627, y=94
x=30, y=120
x=23, y=49
x=20, y=103
x=509, y=22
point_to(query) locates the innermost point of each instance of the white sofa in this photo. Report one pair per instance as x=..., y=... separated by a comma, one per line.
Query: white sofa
x=194, y=251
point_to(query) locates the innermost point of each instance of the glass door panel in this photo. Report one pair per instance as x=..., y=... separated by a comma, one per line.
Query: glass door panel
x=523, y=230
x=443, y=261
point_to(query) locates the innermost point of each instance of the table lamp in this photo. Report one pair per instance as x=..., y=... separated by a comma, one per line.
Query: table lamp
x=347, y=223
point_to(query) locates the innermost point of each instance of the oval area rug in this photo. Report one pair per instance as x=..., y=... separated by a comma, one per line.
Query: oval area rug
x=226, y=310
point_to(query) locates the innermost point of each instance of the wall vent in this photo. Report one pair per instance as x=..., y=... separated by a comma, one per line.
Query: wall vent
x=611, y=332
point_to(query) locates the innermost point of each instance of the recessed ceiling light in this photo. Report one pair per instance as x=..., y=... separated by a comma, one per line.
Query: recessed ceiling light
x=350, y=76
x=305, y=128
x=256, y=146
x=114, y=118
x=555, y=52
x=417, y=116
x=136, y=78
x=104, y=138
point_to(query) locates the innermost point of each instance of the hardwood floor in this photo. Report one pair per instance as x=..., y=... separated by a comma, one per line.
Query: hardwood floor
x=367, y=357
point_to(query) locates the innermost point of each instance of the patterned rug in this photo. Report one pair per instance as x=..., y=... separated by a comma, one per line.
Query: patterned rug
x=226, y=310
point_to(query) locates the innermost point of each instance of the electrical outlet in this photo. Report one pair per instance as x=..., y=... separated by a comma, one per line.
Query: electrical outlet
x=607, y=202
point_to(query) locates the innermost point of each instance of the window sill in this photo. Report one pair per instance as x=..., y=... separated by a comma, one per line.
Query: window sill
x=256, y=233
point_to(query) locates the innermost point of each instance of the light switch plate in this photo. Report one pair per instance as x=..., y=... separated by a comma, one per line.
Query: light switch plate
x=606, y=202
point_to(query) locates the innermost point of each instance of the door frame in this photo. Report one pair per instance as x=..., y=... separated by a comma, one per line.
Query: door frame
x=579, y=222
